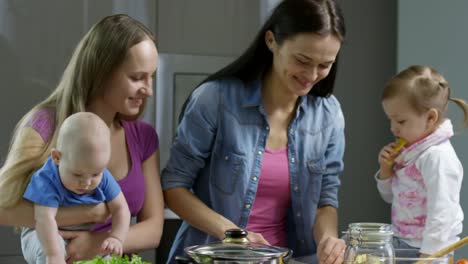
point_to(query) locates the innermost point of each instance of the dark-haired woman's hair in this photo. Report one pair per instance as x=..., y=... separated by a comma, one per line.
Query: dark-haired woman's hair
x=289, y=18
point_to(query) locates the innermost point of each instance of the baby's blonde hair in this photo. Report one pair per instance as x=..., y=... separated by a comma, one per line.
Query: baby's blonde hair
x=82, y=133
x=424, y=88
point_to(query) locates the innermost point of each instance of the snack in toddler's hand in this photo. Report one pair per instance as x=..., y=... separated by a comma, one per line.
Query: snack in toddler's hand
x=400, y=143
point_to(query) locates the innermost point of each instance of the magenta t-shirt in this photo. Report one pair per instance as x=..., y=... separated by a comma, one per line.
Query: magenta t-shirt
x=142, y=141
x=273, y=198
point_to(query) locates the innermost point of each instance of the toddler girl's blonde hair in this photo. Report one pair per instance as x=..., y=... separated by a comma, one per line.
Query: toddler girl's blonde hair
x=424, y=88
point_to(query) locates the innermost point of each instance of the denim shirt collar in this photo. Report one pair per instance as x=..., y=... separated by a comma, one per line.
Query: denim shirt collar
x=253, y=95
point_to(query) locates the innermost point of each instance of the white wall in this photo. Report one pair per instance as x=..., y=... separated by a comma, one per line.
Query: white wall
x=435, y=33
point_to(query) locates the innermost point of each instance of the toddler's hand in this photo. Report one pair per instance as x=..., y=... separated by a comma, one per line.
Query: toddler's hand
x=112, y=246
x=386, y=158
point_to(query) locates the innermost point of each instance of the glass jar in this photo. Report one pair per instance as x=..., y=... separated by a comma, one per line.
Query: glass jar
x=369, y=243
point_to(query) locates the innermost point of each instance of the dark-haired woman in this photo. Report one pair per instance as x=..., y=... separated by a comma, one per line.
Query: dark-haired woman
x=260, y=143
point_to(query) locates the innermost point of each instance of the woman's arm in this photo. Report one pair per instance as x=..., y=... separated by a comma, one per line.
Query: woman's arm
x=23, y=214
x=330, y=248
x=186, y=205
x=196, y=213
x=146, y=233
x=80, y=214
x=326, y=222
x=190, y=150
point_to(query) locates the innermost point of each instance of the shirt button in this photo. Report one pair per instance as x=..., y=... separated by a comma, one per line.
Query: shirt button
x=260, y=152
x=298, y=214
x=226, y=157
x=254, y=178
x=267, y=128
x=302, y=241
x=247, y=206
x=296, y=188
x=293, y=160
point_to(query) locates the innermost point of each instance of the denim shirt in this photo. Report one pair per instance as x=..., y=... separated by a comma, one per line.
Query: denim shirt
x=218, y=151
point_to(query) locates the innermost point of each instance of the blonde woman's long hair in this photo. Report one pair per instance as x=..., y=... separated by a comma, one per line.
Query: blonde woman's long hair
x=99, y=53
x=424, y=88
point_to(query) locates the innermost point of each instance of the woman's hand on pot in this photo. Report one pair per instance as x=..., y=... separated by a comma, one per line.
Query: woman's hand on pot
x=257, y=238
x=331, y=250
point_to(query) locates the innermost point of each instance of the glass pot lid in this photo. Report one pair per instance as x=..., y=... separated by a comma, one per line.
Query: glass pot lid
x=235, y=246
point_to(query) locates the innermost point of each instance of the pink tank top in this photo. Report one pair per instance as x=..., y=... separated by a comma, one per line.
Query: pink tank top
x=273, y=198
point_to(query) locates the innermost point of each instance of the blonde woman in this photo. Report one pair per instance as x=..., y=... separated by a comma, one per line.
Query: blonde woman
x=109, y=74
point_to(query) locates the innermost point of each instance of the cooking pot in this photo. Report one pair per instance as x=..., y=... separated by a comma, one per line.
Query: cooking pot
x=236, y=249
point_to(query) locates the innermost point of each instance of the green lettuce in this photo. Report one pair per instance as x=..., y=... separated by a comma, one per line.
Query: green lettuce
x=114, y=260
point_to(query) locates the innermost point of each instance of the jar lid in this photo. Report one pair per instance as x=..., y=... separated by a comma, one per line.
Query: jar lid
x=370, y=231
x=235, y=251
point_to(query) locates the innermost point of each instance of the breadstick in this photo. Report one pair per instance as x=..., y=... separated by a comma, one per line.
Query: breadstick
x=446, y=250
x=400, y=143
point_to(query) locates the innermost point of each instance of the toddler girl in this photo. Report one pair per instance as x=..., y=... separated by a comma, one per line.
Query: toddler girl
x=422, y=180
